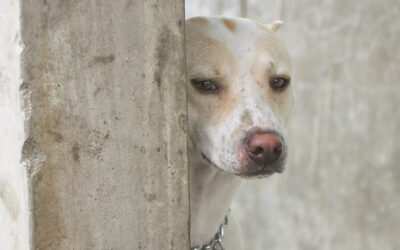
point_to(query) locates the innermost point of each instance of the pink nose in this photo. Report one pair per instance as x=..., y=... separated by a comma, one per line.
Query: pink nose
x=264, y=147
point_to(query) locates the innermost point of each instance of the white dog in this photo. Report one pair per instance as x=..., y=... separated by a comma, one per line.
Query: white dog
x=239, y=97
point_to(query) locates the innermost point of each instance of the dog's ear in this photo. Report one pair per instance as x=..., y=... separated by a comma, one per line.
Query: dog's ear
x=274, y=26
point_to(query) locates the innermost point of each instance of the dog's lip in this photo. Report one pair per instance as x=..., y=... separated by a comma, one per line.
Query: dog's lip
x=261, y=172
x=256, y=174
x=204, y=156
x=252, y=169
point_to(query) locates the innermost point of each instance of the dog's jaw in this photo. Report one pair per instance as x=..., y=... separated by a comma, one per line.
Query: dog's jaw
x=211, y=194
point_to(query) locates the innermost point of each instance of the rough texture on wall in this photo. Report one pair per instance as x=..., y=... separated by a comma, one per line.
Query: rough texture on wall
x=341, y=189
x=106, y=152
x=14, y=218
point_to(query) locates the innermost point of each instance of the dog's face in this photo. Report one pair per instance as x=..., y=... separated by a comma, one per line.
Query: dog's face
x=239, y=94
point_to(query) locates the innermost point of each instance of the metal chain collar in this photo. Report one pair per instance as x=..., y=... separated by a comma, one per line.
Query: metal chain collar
x=216, y=242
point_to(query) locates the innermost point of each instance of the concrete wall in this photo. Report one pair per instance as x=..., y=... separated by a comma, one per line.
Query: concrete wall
x=103, y=90
x=14, y=216
x=341, y=189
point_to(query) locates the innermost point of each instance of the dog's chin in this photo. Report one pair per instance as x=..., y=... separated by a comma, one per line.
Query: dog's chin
x=263, y=173
x=256, y=171
x=251, y=169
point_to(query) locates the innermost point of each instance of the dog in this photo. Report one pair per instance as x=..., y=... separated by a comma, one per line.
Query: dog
x=239, y=101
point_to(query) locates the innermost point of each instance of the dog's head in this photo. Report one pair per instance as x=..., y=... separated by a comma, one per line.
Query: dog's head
x=239, y=94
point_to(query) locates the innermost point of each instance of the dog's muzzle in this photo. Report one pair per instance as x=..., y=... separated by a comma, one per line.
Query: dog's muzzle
x=262, y=153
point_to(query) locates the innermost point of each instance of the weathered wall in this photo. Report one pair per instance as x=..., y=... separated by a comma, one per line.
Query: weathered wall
x=341, y=189
x=14, y=218
x=103, y=91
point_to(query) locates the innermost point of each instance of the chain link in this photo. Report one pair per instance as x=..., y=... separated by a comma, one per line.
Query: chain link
x=216, y=242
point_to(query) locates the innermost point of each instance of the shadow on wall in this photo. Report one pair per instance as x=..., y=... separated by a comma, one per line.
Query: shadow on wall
x=341, y=189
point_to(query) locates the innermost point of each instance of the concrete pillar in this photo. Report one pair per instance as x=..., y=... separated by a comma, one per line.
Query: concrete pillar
x=102, y=88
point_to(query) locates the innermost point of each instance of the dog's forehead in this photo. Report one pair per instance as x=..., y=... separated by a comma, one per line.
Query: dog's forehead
x=243, y=38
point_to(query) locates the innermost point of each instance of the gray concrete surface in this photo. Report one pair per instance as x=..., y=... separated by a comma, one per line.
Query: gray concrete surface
x=14, y=216
x=341, y=189
x=102, y=90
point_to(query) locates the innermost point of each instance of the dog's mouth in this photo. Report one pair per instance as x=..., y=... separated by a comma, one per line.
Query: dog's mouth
x=206, y=159
x=253, y=169
x=250, y=168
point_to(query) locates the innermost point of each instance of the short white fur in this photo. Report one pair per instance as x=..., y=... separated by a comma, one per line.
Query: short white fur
x=214, y=141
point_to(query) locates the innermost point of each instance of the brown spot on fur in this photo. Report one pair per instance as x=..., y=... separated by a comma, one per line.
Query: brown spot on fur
x=229, y=23
x=198, y=20
x=246, y=118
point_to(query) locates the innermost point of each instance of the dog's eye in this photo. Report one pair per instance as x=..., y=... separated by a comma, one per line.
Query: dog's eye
x=205, y=85
x=279, y=83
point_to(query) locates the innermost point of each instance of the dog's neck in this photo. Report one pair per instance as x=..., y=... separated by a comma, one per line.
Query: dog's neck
x=211, y=194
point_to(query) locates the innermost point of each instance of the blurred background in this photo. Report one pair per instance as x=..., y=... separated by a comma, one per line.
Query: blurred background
x=341, y=189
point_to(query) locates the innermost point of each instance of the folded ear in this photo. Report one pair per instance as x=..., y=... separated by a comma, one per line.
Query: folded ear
x=274, y=26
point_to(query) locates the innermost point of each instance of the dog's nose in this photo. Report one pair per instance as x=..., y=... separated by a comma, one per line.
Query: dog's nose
x=264, y=147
